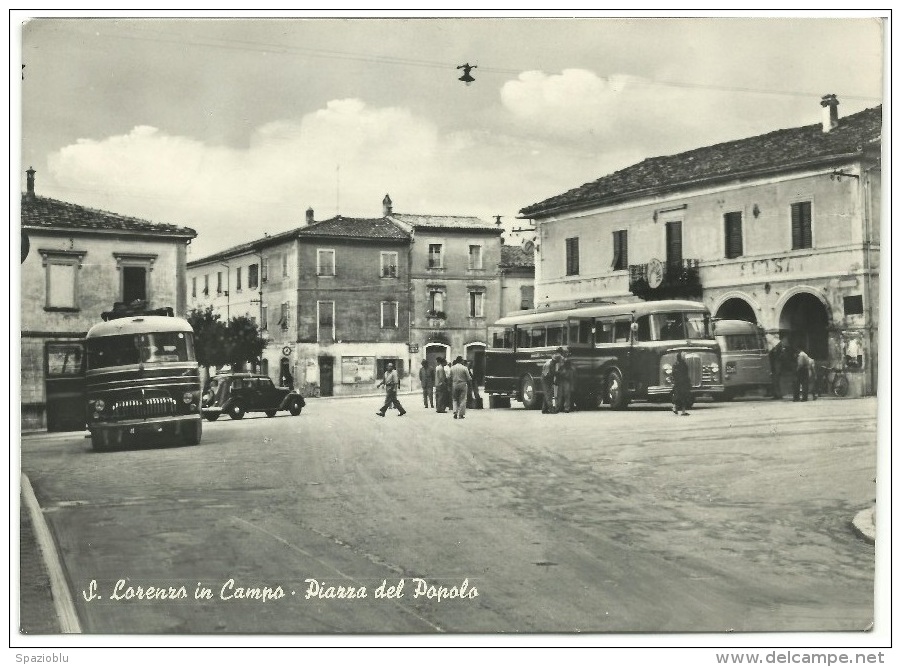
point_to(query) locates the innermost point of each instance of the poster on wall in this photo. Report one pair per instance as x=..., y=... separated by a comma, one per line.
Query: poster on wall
x=356, y=370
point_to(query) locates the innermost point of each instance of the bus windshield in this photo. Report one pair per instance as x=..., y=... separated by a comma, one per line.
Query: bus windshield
x=128, y=349
x=678, y=326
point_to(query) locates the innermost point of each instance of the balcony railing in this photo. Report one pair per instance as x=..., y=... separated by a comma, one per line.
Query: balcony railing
x=670, y=280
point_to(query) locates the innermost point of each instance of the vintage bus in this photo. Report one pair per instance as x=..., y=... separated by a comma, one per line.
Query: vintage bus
x=746, y=364
x=620, y=353
x=142, y=378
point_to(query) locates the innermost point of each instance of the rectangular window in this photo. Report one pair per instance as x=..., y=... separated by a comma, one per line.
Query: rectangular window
x=475, y=257
x=555, y=335
x=389, y=314
x=264, y=269
x=284, y=265
x=734, y=247
x=674, y=243
x=436, y=302
x=325, y=262
x=477, y=304
x=253, y=276
x=264, y=317
x=802, y=233
x=238, y=279
x=435, y=259
x=854, y=305
x=194, y=286
x=538, y=337
x=620, y=250
x=572, y=256
x=64, y=359
x=61, y=277
x=283, y=319
x=206, y=284
x=526, y=297
x=326, y=320
x=388, y=265
x=134, y=283
x=218, y=282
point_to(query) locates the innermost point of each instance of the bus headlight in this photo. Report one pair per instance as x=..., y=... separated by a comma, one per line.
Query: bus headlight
x=715, y=367
x=99, y=405
x=668, y=369
x=188, y=397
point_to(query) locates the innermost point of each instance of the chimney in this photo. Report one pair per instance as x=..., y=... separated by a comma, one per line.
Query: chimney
x=830, y=112
x=29, y=184
x=310, y=216
x=386, y=206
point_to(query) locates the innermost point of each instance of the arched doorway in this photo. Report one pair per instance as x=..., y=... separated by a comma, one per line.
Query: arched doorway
x=804, y=321
x=435, y=350
x=736, y=309
x=285, y=379
x=475, y=352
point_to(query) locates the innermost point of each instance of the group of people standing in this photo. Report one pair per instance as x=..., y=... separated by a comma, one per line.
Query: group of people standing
x=558, y=382
x=793, y=360
x=448, y=386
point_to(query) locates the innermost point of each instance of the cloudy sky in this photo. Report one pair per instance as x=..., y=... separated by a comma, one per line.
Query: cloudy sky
x=235, y=127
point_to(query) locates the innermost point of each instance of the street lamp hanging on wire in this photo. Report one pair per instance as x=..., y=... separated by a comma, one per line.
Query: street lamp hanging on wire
x=466, y=78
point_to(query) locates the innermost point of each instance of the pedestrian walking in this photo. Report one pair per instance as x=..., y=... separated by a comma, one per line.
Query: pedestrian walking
x=391, y=382
x=776, y=355
x=427, y=380
x=566, y=384
x=549, y=381
x=803, y=365
x=681, y=386
x=441, y=397
x=460, y=379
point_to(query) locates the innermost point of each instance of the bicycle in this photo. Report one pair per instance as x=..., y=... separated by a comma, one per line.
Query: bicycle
x=832, y=380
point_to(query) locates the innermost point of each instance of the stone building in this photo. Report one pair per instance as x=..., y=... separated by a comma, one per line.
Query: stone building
x=516, y=274
x=780, y=229
x=76, y=263
x=454, y=282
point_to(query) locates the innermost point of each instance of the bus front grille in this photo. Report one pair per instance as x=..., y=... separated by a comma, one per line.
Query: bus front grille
x=143, y=408
x=695, y=371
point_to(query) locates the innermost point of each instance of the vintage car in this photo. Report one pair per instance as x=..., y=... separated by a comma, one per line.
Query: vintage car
x=236, y=394
x=746, y=365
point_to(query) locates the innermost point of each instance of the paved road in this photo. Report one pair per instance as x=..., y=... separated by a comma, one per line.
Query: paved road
x=735, y=518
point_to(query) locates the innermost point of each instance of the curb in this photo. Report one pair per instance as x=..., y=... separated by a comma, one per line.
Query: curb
x=864, y=524
x=59, y=587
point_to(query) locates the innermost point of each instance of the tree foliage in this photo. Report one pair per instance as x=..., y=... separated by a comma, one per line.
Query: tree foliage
x=245, y=341
x=211, y=337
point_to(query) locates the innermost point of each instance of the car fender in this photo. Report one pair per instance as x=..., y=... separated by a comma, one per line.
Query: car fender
x=289, y=398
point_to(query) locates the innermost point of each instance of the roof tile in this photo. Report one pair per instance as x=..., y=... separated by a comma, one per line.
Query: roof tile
x=775, y=151
x=43, y=212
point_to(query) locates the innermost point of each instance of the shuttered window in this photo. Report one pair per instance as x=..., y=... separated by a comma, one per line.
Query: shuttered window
x=734, y=246
x=572, y=256
x=674, y=243
x=802, y=234
x=620, y=250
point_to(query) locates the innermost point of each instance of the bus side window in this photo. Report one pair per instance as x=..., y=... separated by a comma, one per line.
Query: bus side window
x=585, y=329
x=621, y=331
x=538, y=337
x=522, y=338
x=603, y=332
x=555, y=336
x=644, y=329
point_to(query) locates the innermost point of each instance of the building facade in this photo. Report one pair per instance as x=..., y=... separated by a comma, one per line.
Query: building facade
x=780, y=229
x=77, y=263
x=454, y=283
x=516, y=279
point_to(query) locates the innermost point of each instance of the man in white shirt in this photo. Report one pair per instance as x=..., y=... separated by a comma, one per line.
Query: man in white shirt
x=391, y=382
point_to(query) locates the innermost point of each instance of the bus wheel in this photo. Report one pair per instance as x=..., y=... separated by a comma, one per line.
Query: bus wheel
x=529, y=397
x=615, y=393
x=236, y=411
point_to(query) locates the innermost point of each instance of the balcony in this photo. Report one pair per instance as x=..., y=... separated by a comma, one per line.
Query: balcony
x=658, y=280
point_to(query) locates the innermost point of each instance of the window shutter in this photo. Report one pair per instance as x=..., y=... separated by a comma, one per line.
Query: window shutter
x=733, y=235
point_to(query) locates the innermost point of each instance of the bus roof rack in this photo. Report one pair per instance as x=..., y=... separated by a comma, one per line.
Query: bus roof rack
x=135, y=308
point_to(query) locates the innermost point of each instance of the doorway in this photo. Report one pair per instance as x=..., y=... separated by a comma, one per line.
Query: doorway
x=326, y=376
x=805, y=320
x=736, y=309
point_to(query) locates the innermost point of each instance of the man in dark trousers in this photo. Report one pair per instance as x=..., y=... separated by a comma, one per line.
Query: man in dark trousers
x=549, y=381
x=776, y=355
x=442, y=400
x=427, y=380
x=391, y=382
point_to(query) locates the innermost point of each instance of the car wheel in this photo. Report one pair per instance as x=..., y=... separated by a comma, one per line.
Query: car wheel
x=295, y=408
x=530, y=400
x=212, y=417
x=236, y=411
x=271, y=413
x=615, y=392
x=192, y=434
